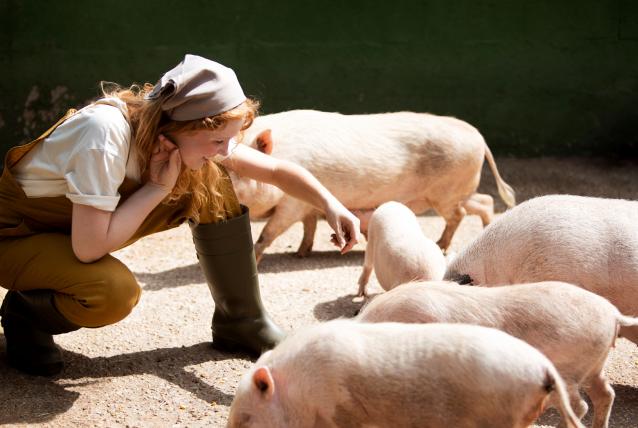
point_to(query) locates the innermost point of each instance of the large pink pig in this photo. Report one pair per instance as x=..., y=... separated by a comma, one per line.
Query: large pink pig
x=589, y=242
x=347, y=374
x=574, y=328
x=421, y=160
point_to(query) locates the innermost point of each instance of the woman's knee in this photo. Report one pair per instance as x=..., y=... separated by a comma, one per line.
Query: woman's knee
x=106, y=295
x=122, y=293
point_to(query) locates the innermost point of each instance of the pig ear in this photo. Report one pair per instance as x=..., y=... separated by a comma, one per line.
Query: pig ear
x=264, y=141
x=263, y=382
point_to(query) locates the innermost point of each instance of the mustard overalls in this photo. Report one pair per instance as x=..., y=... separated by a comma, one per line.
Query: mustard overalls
x=52, y=292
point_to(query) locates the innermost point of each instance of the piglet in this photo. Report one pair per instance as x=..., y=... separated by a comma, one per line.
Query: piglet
x=343, y=373
x=397, y=250
x=574, y=328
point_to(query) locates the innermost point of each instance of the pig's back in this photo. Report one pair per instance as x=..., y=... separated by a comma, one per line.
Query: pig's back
x=561, y=320
x=550, y=305
x=375, y=152
x=402, y=253
x=591, y=242
x=430, y=371
x=303, y=134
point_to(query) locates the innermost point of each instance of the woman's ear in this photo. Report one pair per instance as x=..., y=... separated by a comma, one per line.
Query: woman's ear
x=166, y=143
x=264, y=141
x=263, y=382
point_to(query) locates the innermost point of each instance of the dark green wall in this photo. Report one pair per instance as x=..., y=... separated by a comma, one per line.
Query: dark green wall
x=536, y=77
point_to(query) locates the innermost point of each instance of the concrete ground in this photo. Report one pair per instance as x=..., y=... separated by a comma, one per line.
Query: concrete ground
x=156, y=367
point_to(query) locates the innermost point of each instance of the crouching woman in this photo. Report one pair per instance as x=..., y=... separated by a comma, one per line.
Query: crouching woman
x=136, y=162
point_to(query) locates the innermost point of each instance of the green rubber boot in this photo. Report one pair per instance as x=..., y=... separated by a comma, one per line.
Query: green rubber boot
x=30, y=319
x=226, y=255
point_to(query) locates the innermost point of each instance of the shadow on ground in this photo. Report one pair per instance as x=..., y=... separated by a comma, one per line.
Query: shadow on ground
x=317, y=260
x=30, y=400
x=270, y=263
x=342, y=307
x=176, y=277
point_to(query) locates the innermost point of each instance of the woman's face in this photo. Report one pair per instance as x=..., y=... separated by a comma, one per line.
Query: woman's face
x=196, y=147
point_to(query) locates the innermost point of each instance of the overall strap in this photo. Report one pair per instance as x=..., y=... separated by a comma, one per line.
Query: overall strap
x=16, y=153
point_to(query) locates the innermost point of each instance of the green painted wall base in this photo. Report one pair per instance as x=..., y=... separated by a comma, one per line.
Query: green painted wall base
x=536, y=77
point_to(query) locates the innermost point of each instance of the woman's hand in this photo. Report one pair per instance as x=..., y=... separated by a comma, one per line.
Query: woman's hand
x=165, y=164
x=345, y=225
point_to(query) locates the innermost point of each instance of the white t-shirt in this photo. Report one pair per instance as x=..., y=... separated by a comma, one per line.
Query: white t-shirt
x=85, y=159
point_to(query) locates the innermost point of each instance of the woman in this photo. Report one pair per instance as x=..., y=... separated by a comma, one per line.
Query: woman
x=136, y=162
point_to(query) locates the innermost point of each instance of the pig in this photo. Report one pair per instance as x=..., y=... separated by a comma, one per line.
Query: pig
x=574, y=328
x=421, y=160
x=476, y=200
x=586, y=241
x=398, y=251
x=343, y=373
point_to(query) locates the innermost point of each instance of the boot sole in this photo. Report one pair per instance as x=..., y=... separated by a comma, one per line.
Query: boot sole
x=232, y=346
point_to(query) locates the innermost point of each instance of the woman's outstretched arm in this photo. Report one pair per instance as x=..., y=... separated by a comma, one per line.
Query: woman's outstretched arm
x=299, y=183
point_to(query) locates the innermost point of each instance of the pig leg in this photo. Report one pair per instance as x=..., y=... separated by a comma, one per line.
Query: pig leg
x=364, y=278
x=481, y=205
x=452, y=218
x=368, y=263
x=575, y=400
x=309, y=228
x=286, y=214
x=602, y=397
